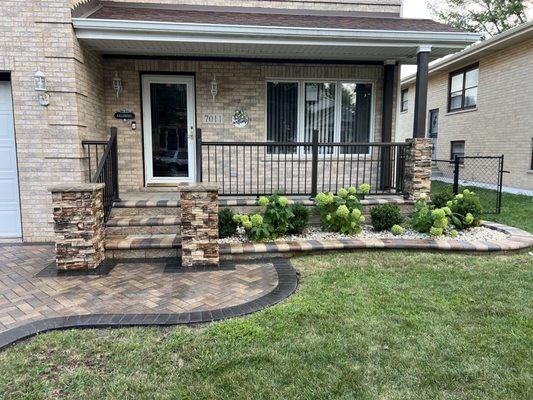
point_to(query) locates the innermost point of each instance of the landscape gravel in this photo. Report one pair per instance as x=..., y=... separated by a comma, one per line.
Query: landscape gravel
x=474, y=234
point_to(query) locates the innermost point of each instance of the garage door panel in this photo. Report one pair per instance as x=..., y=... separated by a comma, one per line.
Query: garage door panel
x=10, y=223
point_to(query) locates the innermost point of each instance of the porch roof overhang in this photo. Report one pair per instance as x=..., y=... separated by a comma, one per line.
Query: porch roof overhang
x=238, y=40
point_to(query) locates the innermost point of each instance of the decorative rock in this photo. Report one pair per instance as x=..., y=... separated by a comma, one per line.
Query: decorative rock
x=78, y=225
x=417, y=179
x=199, y=225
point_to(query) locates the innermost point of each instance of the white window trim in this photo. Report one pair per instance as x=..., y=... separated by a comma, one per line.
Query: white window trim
x=338, y=99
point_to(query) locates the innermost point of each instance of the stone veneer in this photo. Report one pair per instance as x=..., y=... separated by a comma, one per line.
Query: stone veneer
x=417, y=178
x=199, y=225
x=78, y=225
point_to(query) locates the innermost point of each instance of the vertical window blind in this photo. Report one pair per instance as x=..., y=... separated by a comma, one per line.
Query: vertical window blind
x=340, y=111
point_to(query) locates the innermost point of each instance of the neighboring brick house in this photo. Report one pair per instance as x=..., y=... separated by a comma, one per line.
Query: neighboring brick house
x=160, y=59
x=480, y=103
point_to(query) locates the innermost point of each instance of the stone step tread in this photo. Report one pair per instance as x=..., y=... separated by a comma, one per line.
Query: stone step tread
x=146, y=203
x=143, y=221
x=249, y=202
x=143, y=241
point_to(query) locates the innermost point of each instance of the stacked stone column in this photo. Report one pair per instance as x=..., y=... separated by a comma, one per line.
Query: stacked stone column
x=417, y=178
x=199, y=225
x=78, y=225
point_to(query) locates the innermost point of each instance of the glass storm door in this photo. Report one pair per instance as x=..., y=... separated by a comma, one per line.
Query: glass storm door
x=168, y=128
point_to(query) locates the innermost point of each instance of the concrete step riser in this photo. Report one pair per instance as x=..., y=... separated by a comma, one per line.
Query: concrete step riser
x=143, y=253
x=134, y=230
x=144, y=211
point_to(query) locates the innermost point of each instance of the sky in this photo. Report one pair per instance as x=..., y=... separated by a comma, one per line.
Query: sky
x=419, y=9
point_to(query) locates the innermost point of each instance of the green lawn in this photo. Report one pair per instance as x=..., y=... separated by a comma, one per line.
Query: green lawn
x=517, y=210
x=365, y=325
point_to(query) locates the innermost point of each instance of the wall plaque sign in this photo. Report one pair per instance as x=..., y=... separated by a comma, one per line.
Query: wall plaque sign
x=124, y=115
x=213, y=119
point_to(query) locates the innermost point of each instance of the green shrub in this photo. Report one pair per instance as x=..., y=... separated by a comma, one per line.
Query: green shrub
x=397, y=230
x=441, y=198
x=278, y=215
x=385, y=216
x=427, y=220
x=466, y=209
x=300, y=219
x=340, y=213
x=226, y=224
x=254, y=226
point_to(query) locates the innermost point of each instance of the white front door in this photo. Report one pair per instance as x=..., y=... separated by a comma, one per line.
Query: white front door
x=168, y=128
x=10, y=224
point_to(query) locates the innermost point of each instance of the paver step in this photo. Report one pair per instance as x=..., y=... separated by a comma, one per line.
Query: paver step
x=143, y=241
x=165, y=220
x=148, y=203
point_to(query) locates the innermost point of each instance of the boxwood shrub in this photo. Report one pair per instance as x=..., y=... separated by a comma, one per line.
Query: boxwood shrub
x=385, y=216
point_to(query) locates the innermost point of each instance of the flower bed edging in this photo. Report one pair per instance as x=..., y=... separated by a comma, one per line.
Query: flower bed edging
x=518, y=239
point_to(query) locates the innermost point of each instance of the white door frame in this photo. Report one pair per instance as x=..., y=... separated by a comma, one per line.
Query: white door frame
x=188, y=80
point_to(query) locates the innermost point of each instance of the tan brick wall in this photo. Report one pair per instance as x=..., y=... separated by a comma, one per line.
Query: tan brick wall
x=502, y=122
x=389, y=6
x=241, y=85
x=38, y=34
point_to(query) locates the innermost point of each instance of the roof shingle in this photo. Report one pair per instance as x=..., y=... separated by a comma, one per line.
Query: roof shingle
x=270, y=19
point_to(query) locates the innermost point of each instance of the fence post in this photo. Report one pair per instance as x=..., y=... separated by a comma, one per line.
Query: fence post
x=314, y=163
x=198, y=150
x=500, y=184
x=114, y=155
x=456, y=174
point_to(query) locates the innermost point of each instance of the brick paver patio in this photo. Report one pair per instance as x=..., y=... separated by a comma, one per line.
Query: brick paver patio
x=132, y=288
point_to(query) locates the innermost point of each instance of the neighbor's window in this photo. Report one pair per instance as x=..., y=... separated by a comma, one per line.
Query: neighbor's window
x=463, y=88
x=340, y=111
x=405, y=100
x=458, y=150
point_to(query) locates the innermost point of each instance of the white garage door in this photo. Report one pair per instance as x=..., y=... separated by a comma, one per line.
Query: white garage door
x=10, y=226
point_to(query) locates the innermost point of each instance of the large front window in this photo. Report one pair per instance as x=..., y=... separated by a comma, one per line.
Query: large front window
x=340, y=111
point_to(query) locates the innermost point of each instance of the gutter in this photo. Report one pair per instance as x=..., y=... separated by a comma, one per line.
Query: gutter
x=87, y=28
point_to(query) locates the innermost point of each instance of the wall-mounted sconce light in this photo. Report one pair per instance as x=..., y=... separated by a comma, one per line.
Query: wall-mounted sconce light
x=214, y=87
x=117, y=84
x=40, y=87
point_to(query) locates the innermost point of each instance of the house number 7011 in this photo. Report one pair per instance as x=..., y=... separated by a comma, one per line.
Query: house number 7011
x=215, y=119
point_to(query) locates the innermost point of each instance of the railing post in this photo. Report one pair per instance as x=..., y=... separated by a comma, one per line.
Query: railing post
x=114, y=154
x=456, y=175
x=314, y=163
x=198, y=150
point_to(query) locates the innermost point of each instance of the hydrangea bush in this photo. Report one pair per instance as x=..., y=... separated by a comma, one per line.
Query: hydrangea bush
x=341, y=212
x=278, y=219
x=428, y=220
x=466, y=210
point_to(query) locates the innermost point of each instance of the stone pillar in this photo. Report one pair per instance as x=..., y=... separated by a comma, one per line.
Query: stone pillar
x=199, y=225
x=417, y=178
x=79, y=225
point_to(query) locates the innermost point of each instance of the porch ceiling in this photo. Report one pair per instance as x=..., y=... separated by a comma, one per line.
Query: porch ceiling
x=271, y=36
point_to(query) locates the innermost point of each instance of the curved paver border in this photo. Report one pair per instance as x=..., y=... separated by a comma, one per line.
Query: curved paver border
x=287, y=284
x=518, y=239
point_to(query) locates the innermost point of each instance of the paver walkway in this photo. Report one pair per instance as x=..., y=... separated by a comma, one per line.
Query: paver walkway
x=30, y=292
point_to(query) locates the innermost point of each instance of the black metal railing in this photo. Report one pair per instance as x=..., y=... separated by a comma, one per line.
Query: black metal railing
x=104, y=155
x=300, y=168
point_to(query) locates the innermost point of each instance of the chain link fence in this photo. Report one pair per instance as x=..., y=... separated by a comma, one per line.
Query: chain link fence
x=482, y=174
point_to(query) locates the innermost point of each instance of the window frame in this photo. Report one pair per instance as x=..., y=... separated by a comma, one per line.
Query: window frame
x=404, y=92
x=452, y=156
x=463, y=71
x=300, y=130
